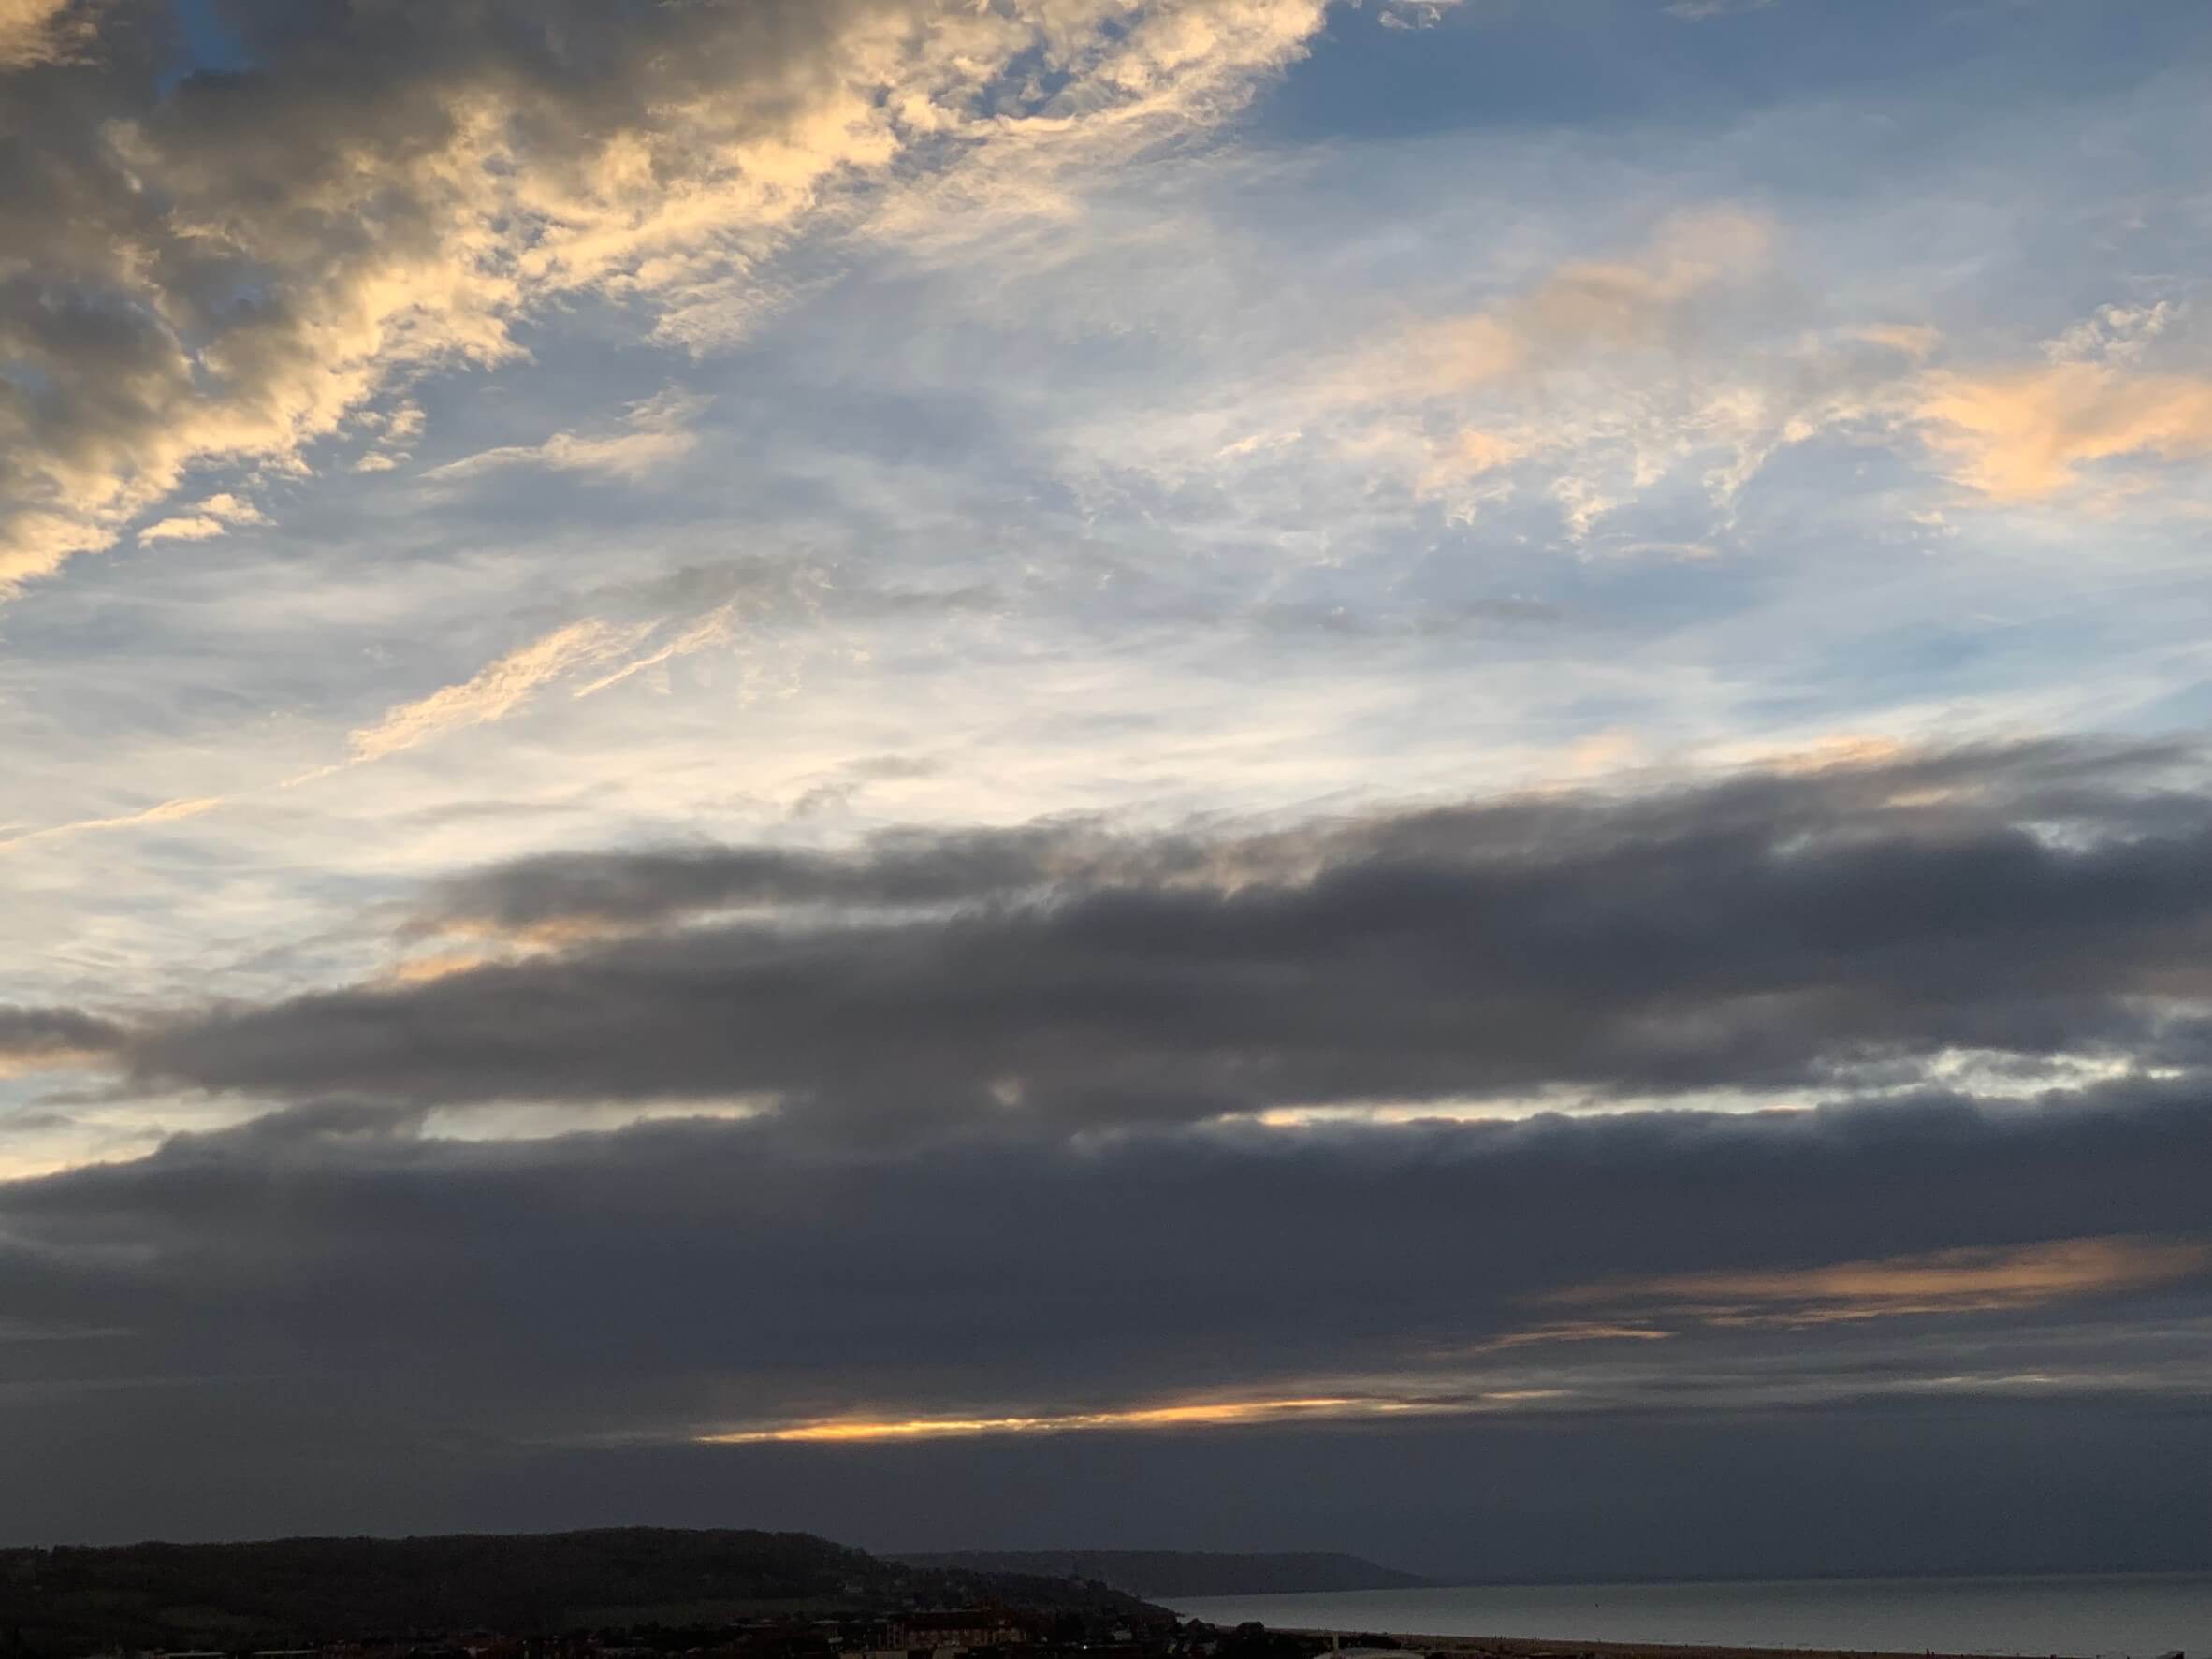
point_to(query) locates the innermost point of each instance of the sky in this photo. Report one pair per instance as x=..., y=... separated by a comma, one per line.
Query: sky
x=1423, y=778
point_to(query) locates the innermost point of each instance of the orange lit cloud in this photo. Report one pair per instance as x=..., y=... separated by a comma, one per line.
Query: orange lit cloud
x=2025, y=434
x=1940, y=1282
x=1581, y=306
x=41, y=32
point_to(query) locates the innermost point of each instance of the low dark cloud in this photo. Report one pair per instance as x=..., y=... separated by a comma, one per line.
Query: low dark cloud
x=1837, y=929
x=392, y=1308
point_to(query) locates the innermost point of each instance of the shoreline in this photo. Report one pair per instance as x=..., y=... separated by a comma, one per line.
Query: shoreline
x=1498, y=1646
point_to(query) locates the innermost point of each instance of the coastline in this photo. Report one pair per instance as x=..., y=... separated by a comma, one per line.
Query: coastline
x=1473, y=1647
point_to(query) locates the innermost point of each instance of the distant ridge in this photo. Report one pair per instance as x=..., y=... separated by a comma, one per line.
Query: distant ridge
x=1166, y=1574
x=290, y=1593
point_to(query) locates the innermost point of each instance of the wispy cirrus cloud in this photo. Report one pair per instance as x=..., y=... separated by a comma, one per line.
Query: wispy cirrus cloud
x=494, y=691
x=497, y=692
x=658, y=435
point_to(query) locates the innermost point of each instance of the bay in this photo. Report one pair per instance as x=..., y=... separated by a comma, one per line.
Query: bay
x=2138, y=1615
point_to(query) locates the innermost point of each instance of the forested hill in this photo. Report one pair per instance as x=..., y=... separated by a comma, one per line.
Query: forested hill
x=1166, y=1574
x=293, y=1592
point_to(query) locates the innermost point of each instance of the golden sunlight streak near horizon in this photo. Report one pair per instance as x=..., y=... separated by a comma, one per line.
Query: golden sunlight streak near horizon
x=1206, y=1413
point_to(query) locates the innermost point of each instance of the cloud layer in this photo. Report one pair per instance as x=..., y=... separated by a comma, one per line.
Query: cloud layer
x=1852, y=927
x=686, y=1280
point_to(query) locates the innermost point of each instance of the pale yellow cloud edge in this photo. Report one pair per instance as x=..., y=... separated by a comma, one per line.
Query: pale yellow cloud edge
x=34, y=32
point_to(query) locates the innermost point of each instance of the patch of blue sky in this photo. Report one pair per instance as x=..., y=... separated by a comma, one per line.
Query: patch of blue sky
x=205, y=42
x=1598, y=64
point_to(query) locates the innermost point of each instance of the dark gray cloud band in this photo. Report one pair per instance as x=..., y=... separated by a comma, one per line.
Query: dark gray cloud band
x=509, y=1303
x=1856, y=928
x=34, y=1035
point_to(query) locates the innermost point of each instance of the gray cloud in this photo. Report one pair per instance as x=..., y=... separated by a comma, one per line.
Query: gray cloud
x=405, y=1301
x=1844, y=927
x=284, y=1238
x=35, y=1034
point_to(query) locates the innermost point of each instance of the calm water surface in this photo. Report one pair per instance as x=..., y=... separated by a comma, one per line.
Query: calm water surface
x=2140, y=1615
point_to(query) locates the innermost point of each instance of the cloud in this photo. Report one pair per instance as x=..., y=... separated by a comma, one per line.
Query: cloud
x=35, y=32
x=226, y=274
x=719, y=627
x=1945, y=1282
x=1211, y=1414
x=2025, y=434
x=698, y=609
x=1856, y=927
x=32, y=1037
x=494, y=691
x=1666, y=367
x=1643, y=299
x=659, y=435
x=169, y=811
x=2114, y=333
x=500, y=689
x=199, y=528
x=210, y=519
x=1025, y=1289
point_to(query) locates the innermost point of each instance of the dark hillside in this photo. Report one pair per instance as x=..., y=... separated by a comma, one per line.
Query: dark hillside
x=307, y=1591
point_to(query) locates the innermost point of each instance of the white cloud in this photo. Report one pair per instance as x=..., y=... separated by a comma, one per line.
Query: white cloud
x=210, y=518
x=2113, y=334
x=659, y=435
x=199, y=527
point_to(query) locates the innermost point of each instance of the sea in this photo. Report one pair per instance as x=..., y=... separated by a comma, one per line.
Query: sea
x=2138, y=1615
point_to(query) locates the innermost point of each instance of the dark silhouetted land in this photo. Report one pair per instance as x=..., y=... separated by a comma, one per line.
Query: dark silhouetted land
x=308, y=1592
